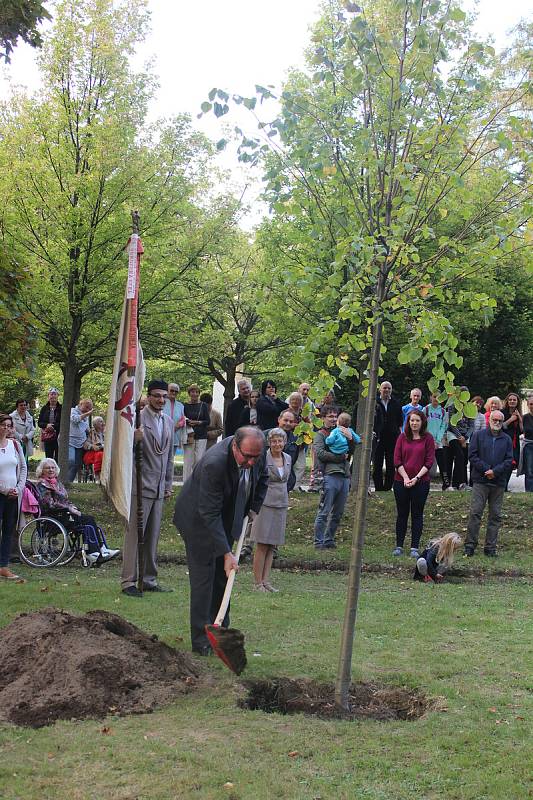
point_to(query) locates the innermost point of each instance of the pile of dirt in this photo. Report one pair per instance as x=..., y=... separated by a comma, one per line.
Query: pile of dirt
x=367, y=700
x=56, y=665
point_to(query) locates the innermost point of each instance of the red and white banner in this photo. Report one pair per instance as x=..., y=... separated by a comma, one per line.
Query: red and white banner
x=126, y=389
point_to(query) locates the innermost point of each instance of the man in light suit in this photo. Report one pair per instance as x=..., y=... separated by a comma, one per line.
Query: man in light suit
x=228, y=483
x=157, y=434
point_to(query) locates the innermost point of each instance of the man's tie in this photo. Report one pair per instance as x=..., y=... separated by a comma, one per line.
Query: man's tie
x=240, y=505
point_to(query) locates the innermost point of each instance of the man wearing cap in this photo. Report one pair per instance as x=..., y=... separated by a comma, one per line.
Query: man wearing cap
x=157, y=435
x=491, y=458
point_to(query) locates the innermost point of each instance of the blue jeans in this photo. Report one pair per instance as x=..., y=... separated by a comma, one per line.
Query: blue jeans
x=527, y=457
x=75, y=458
x=8, y=519
x=331, y=507
x=411, y=501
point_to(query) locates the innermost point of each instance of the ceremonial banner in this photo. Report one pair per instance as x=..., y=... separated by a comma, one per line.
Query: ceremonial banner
x=126, y=389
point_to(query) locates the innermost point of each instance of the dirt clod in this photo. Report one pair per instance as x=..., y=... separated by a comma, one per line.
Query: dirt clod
x=367, y=700
x=56, y=665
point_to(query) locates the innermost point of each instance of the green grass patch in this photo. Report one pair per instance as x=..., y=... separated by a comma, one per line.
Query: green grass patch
x=445, y=512
x=470, y=644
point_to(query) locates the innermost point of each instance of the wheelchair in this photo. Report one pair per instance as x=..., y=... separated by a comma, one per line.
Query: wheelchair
x=45, y=542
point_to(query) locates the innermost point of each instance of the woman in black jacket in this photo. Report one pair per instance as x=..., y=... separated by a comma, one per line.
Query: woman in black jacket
x=269, y=407
x=50, y=423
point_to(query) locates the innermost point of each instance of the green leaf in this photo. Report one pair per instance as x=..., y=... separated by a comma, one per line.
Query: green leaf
x=206, y=106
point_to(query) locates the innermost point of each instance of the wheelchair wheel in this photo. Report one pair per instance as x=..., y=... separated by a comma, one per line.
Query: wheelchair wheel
x=73, y=548
x=43, y=542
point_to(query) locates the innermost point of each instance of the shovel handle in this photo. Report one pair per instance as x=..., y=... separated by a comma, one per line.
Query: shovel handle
x=231, y=580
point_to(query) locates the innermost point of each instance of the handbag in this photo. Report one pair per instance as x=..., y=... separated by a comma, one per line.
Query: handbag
x=190, y=429
x=48, y=435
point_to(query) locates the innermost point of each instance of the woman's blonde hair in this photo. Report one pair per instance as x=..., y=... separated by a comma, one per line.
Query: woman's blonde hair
x=447, y=545
x=490, y=401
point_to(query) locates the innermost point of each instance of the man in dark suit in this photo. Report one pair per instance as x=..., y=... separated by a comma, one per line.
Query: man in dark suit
x=236, y=407
x=390, y=413
x=157, y=434
x=229, y=482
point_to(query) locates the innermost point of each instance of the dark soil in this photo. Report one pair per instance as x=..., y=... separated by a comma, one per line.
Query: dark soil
x=367, y=700
x=56, y=665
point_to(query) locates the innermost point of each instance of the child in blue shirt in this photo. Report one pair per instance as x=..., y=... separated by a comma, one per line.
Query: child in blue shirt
x=337, y=442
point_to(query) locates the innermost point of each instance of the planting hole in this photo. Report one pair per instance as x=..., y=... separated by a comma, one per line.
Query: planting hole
x=367, y=700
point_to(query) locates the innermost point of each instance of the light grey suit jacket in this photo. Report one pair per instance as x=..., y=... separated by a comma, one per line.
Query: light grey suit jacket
x=158, y=457
x=277, y=495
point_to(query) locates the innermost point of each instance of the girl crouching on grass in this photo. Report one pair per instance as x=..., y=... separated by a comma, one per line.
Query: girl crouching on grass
x=437, y=558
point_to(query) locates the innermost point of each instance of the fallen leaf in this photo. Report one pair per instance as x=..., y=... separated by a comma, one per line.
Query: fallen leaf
x=45, y=589
x=492, y=710
x=105, y=729
x=293, y=754
x=229, y=785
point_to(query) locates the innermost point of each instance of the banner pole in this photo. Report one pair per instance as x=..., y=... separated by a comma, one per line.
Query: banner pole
x=138, y=456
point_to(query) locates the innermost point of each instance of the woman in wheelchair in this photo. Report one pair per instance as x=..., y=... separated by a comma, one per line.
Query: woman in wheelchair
x=53, y=498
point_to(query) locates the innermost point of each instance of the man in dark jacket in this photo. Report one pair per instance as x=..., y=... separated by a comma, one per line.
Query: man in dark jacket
x=236, y=407
x=389, y=413
x=491, y=457
x=228, y=483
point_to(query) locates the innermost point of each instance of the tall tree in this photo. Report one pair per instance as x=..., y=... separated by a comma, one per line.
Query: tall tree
x=80, y=160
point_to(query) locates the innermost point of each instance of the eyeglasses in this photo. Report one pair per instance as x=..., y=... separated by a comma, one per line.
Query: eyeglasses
x=247, y=456
x=497, y=421
x=159, y=396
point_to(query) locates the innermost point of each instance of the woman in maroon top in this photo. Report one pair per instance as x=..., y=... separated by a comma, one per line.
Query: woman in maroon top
x=414, y=455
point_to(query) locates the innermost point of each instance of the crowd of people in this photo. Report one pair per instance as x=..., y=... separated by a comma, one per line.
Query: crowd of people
x=245, y=466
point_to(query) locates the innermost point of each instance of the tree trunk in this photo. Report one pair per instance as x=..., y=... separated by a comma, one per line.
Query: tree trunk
x=342, y=685
x=70, y=374
x=229, y=386
x=77, y=389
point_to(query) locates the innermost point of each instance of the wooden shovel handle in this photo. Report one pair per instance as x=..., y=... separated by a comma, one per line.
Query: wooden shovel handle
x=231, y=580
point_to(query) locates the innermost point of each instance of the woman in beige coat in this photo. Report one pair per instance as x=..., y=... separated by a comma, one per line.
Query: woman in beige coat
x=268, y=528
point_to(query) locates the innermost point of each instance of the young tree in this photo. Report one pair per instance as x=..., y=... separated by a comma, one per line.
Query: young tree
x=404, y=119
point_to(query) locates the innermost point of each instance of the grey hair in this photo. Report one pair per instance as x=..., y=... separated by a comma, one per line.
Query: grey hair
x=244, y=381
x=97, y=419
x=45, y=463
x=295, y=394
x=277, y=432
x=248, y=431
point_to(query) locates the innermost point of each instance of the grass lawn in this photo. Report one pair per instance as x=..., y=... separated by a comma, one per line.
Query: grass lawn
x=468, y=642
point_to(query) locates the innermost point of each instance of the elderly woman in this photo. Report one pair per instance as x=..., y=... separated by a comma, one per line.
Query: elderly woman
x=13, y=473
x=268, y=527
x=53, y=498
x=197, y=419
x=493, y=404
x=94, y=447
x=24, y=426
x=50, y=423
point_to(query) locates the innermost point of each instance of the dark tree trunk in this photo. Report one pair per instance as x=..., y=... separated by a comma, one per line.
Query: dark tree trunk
x=229, y=386
x=70, y=378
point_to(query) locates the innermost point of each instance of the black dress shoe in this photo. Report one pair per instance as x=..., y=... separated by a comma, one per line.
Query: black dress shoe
x=132, y=591
x=203, y=651
x=155, y=587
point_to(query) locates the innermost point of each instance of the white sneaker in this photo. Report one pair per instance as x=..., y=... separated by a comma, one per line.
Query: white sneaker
x=107, y=554
x=92, y=558
x=422, y=566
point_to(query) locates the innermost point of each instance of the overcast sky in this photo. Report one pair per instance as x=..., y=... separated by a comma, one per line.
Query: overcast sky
x=232, y=44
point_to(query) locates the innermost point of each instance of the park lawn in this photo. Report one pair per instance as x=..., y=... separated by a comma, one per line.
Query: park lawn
x=469, y=643
x=445, y=512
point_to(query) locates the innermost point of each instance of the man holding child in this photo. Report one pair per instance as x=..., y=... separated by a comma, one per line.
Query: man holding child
x=334, y=460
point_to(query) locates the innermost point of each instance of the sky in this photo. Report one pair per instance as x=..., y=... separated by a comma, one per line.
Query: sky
x=233, y=44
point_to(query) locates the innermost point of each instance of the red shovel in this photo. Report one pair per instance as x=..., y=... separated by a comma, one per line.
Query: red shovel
x=228, y=643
